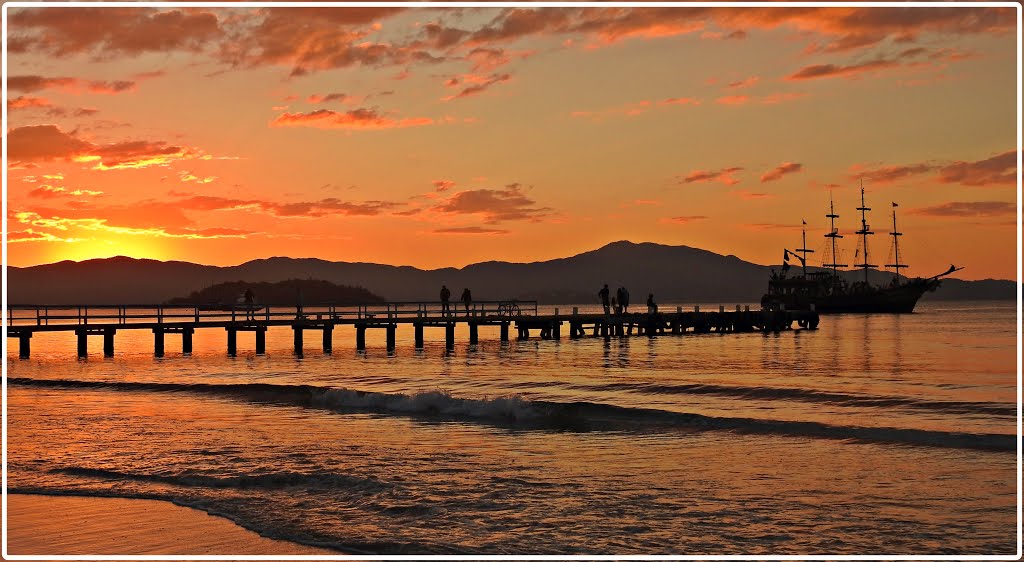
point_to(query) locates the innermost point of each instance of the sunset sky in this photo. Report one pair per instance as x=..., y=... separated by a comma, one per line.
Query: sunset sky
x=440, y=137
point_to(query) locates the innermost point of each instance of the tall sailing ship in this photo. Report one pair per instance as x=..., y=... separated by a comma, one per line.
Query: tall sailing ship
x=829, y=291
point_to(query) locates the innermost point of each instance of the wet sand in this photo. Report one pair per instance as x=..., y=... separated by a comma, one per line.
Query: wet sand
x=53, y=525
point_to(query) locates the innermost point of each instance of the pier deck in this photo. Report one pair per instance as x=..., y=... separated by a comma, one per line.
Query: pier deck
x=524, y=316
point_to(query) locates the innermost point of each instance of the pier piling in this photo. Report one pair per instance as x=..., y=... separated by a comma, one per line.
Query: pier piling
x=473, y=333
x=297, y=339
x=232, y=341
x=391, y=329
x=186, y=341
x=83, y=344
x=328, y=337
x=418, y=329
x=108, y=343
x=158, y=342
x=361, y=337
x=261, y=340
x=449, y=335
x=24, y=344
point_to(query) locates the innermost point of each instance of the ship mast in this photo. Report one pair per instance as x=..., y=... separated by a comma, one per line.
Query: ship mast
x=804, y=251
x=896, y=241
x=833, y=234
x=864, y=232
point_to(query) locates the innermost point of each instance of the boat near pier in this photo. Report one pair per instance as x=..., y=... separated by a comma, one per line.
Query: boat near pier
x=828, y=291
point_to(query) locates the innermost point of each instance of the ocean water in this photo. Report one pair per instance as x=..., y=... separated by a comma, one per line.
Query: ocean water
x=875, y=434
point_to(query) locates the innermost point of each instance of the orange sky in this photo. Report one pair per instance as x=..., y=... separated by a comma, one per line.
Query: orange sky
x=435, y=137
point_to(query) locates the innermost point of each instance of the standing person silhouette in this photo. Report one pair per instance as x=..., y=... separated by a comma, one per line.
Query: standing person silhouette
x=652, y=307
x=624, y=300
x=445, y=295
x=250, y=299
x=467, y=298
x=603, y=293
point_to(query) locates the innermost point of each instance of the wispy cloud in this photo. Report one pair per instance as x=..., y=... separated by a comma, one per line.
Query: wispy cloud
x=356, y=119
x=781, y=170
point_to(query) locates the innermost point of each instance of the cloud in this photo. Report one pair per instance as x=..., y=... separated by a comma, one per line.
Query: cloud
x=25, y=102
x=833, y=71
x=470, y=230
x=43, y=143
x=1000, y=169
x=109, y=32
x=889, y=174
x=35, y=83
x=31, y=235
x=57, y=220
x=356, y=119
x=318, y=98
x=494, y=205
x=477, y=84
x=968, y=209
x=679, y=101
x=781, y=170
x=685, y=219
x=51, y=192
x=443, y=185
x=300, y=209
x=312, y=39
x=723, y=176
x=997, y=170
x=745, y=83
x=732, y=100
x=37, y=143
x=742, y=194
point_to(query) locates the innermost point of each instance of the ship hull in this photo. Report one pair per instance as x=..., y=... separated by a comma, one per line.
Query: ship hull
x=802, y=294
x=892, y=300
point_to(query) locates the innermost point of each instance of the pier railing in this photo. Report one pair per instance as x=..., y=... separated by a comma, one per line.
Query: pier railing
x=99, y=315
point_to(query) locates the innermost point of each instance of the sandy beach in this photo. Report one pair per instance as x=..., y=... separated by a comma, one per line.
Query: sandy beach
x=53, y=525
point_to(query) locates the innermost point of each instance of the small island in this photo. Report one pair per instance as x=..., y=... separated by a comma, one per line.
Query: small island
x=289, y=292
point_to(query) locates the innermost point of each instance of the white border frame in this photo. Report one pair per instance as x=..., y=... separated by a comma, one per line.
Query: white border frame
x=505, y=4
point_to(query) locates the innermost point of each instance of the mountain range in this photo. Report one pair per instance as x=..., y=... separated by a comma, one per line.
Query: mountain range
x=672, y=273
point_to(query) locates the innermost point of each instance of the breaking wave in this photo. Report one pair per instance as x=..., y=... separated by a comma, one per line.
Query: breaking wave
x=517, y=412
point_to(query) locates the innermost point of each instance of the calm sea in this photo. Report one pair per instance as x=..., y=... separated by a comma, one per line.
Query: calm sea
x=875, y=434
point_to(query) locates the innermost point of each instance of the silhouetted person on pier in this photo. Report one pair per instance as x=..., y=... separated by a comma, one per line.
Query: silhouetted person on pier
x=624, y=300
x=445, y=295
x=467, y=298
x=652, y=307
x=249, y=298
x=603, y=293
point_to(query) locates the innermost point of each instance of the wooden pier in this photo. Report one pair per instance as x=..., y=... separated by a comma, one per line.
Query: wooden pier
x=23, y=321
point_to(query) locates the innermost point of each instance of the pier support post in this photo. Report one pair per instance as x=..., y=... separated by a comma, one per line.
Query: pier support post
x=328, y=338
x=418, y=329
x=297, y=339
x=24, y=344
x=261, y=340
x=232, y=342
x=108, y=343
x=474, y=335
x=504, y=331
x=449, y=335
x=556, y=330
x=361, y=337
x=524, y=333
x=158, y=342
x=574, y=330
x=391, y=336
x=186, y=341
x=83, y=344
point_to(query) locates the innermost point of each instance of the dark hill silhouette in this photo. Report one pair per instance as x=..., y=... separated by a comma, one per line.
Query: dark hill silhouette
x=672, y=273
x=312, y=291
